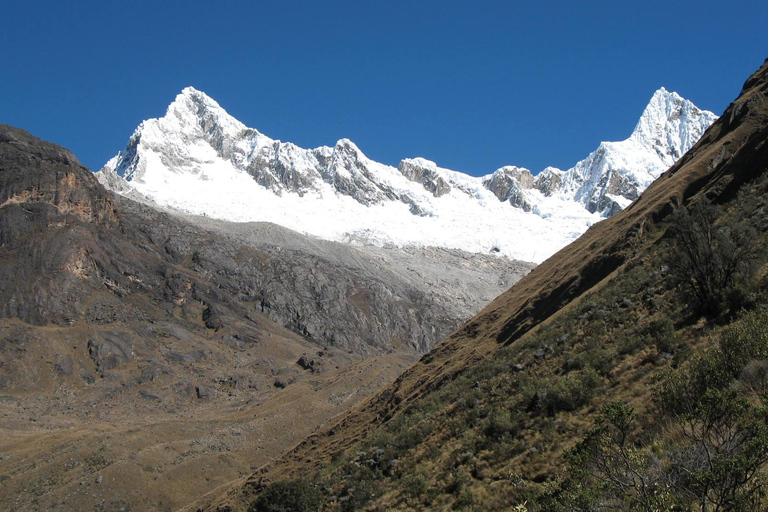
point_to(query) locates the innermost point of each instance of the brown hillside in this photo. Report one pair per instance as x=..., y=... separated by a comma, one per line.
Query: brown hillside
x=732, y=153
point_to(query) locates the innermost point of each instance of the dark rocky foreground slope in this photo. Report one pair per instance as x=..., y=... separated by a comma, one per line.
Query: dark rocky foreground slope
x=146, y=358
x=486, y=417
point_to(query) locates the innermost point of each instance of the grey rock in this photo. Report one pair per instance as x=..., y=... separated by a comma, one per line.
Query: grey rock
x=549, y=181
x=109, y=349
x=428, y=178
x=212, y=318
x=203, y=393
x=306, y=363
x=148, y=395
x=357, y=298
x=64, y=367
x=509, y=184
x=111, y=248
x=149, y=373
x=180, y=357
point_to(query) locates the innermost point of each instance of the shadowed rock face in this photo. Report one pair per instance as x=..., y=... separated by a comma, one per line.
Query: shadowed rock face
x=110, y=349
x=52, y=215
x=357, y=298
x=509, y=184
x=44, y=185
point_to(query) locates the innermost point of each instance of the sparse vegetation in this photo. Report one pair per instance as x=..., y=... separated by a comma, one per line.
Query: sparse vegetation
x=288, y=496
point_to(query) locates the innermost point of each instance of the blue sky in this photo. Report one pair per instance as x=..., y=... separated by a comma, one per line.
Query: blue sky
x=470, y=85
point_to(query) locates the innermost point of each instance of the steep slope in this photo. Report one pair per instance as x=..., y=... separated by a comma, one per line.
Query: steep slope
x=564, y=330
x=199, y=159
x=51, y=211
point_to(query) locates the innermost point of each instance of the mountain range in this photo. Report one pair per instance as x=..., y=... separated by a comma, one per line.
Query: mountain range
x=594, y=383
x=156, y=357
x=199, y=159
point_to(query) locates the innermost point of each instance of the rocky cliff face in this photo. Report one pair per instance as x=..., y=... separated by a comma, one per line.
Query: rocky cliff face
x=43, y=185
x=616, y=172
x=360, y=299
x=51, y=211
x=199, y=159
x=510, y=184
x=419, y=171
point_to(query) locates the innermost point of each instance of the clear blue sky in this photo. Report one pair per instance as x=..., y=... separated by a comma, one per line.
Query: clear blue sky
x=470, y=85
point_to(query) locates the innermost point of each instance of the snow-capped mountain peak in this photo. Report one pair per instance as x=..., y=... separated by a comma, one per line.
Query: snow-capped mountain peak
x=195, y=109
x=670, y=125
x=199, y=159
x=616, y=173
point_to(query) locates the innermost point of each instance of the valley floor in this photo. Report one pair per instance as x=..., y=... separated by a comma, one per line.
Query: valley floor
x=115, y=443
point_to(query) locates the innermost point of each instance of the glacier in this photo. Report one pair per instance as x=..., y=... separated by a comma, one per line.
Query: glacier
x=198, y=159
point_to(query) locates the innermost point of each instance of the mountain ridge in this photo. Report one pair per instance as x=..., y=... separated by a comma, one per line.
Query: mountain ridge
x=198, y=151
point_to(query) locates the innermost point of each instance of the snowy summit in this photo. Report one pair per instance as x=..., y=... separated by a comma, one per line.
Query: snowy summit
x=198, y=159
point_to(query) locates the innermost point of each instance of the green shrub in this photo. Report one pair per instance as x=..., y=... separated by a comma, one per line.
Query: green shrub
x=629, y=343
x=465, y=500
x=415, y=485
x=501, y=424
x=563, y=393
x=680, y=391
x=662, y=334
x=362, y=489
x=744, y=341
x=724, y=448
x=611, y=470
x=288, y=496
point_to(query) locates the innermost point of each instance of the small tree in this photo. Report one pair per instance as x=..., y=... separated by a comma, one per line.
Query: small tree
x=620, y=474
x=711, y=261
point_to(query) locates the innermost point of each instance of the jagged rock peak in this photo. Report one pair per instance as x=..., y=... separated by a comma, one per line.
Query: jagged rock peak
x=616, y=173
x=549, y=181
x=193, y=109
x=510, y=183
x=190, y=100
x=426, y=173
x=347, y=144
